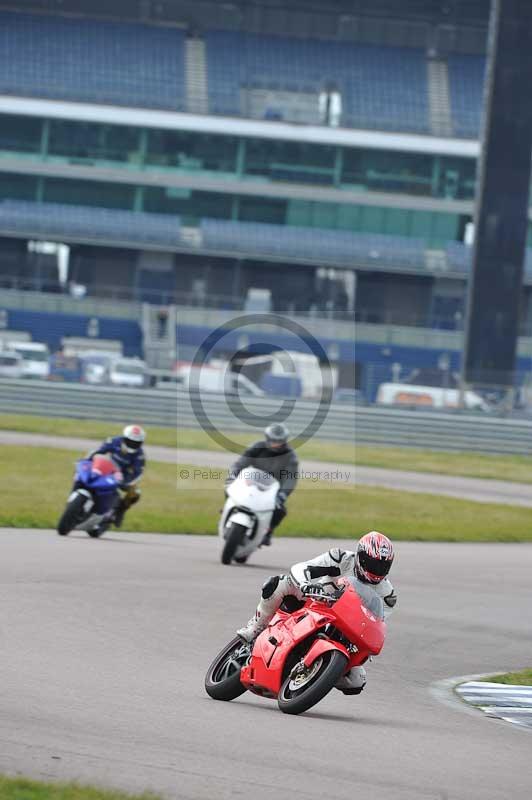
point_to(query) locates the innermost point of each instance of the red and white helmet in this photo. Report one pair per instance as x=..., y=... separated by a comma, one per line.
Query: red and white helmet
x=133, y=437
x=374, y=557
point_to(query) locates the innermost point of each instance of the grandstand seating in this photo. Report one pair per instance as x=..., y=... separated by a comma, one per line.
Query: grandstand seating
x=93, y=224
x=144, y=65
x=466, y=78
x=311, y=244
x=92, y=61
x=326, y=246
x=382, y=87
x=458, y=256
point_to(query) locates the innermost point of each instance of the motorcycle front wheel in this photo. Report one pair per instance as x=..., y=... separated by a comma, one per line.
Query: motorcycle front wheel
x=72, y=515
x=306, y=686
x=235, y=536
x=95, y=533
x=222, y=681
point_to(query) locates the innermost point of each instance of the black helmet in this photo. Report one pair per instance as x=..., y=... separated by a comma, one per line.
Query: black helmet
x=276, y=434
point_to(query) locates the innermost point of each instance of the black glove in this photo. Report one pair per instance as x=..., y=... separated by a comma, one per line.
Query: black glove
x=308, y=589
x=319, y=589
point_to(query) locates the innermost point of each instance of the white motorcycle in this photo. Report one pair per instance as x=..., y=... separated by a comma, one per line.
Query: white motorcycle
x=247, y=514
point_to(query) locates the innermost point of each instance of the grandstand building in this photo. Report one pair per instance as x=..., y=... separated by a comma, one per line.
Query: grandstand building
x=190, y=152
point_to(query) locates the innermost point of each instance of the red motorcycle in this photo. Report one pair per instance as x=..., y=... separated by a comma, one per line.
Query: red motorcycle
x=305, y=650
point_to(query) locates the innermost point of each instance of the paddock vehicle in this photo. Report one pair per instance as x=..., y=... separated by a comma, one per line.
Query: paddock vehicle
x=247, y=514
x=413, y=396
x=305, y=650
x=35, y=359
x=93, y=499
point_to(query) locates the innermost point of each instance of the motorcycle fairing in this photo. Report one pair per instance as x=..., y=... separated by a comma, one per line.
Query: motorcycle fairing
x=102, y=485
x=360, y=626
x=265, y=669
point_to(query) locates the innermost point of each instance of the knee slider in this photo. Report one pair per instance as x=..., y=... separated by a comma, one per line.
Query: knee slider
x=269, y=587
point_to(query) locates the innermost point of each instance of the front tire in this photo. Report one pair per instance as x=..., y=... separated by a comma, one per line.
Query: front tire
x=234, y=538
x=95, y=533
x=72, y=515
x=222, y=681
x=299, y=692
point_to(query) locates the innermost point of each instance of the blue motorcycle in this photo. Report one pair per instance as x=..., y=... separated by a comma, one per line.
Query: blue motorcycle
x=94, y=497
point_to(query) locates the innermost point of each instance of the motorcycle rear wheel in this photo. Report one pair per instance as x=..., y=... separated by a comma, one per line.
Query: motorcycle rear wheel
x=72, y=515
x=222, y=681
x=315, y=683
x=234, y=538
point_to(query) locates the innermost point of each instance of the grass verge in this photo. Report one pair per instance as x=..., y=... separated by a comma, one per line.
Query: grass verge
x=37, y=484
x=180, y=438
x=522, y=678
x=473, y=465
x=24, y=789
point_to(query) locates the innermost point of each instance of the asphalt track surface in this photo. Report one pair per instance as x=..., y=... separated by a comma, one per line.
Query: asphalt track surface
x=105, y=644
x=476, y=489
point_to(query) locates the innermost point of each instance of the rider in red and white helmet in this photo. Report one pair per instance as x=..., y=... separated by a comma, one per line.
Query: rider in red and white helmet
x=374, y=558
x=128, y=454
x=370, y=563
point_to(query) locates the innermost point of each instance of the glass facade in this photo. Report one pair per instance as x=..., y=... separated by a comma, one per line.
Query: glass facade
x=267, y=160
x=297, y=162
x=191, y=152
x=92, y=142
x=20, y=134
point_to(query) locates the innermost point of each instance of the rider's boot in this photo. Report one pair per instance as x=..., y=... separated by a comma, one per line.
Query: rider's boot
x=252, y=628
x=353, y=682
x=273, y=592
x=119, y=513
x=266, y=539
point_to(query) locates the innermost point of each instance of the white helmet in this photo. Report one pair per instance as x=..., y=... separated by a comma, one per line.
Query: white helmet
x=133, y=437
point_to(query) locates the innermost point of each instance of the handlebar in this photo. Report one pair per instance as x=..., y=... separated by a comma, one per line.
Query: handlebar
x=318, y=593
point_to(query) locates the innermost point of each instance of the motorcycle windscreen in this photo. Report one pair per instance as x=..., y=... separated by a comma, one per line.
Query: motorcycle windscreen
x=360, y=624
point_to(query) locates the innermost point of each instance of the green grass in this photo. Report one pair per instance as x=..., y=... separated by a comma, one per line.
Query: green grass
x=471, y=465
x=24, y=789
x=182, y=438
x=522, y=678
x=37, y=483
x=474, y=465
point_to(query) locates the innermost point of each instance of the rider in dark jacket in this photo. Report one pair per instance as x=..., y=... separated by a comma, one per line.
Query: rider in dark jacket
x=127, y=453
x=273, y=455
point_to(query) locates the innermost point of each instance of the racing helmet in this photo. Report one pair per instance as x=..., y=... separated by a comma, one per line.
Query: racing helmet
x=374, y=557
x=132, y=438
x=276, y=435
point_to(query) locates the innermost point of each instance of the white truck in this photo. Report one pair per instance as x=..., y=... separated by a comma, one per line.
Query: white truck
x=219, y=379
x=35, y=358
x=408, y=394
x=129, y=372
x=305, y=367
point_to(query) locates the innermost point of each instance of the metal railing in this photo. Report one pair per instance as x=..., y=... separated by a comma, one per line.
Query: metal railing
x=480, y=433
